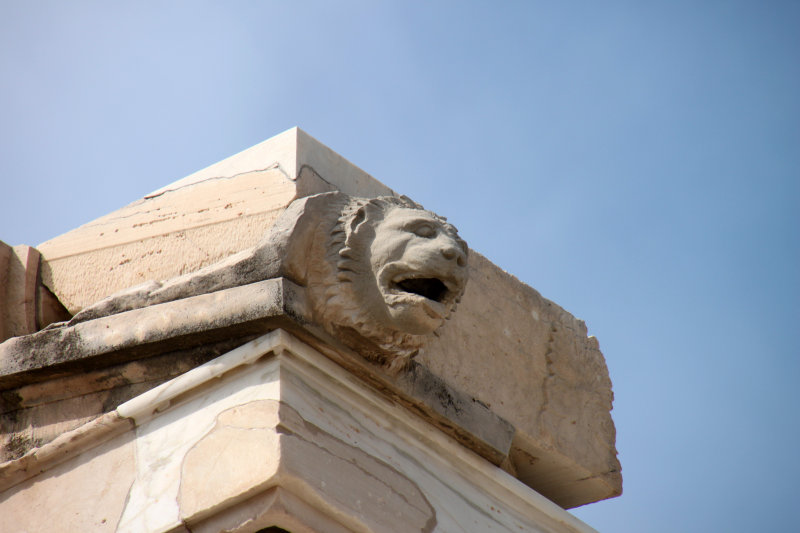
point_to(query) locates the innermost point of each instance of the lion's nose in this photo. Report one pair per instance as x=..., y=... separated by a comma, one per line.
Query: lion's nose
x=453, y=252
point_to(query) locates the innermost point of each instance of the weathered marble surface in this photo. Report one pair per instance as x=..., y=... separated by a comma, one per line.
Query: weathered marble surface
x=85, y=493
x=37, y=413
x=291, y=439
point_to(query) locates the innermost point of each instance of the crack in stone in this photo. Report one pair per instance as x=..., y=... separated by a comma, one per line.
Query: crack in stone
x=99, y=224
x=549, y=374
x=354, y=462
x=273, y=166
x=317, y=174
x=410, y=458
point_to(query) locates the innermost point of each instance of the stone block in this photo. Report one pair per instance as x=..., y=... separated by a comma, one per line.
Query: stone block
x=37, y=413
x=272, y=433
x=195, y=221
x=37, y=371
x=507, y=353
x=19, y=266
x=531, y=362
x=25, y=304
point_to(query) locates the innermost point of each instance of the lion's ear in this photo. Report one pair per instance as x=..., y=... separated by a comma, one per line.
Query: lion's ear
x=357, y=220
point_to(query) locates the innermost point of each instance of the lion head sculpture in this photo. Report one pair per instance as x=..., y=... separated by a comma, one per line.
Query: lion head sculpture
x=381, y=273
x=392, y=273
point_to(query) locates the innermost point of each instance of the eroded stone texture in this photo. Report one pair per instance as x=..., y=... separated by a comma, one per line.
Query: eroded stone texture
x=532, y=363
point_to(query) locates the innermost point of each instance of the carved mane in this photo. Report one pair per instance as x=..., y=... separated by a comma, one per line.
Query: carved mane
x=325, y=243
x=337, y=300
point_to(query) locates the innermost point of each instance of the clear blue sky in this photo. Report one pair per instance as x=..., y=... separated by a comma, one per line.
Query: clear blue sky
x=636, y=162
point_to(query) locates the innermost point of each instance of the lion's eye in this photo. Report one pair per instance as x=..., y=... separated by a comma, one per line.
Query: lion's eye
x=425, y=231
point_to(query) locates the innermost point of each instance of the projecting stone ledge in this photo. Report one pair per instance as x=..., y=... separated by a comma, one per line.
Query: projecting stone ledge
x=290, y=441
x=237, y=313
x=368, y=278
x=146, y=335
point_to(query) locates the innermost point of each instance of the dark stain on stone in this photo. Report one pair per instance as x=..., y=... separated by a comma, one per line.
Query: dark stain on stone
x=16, y=446
x=10, y=401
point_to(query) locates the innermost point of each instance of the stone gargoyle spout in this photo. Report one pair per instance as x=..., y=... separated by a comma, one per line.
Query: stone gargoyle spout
x=381, y=274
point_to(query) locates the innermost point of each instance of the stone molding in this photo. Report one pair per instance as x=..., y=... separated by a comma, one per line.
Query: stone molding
x=244, y=311
x=288, y=397
x=231, y=313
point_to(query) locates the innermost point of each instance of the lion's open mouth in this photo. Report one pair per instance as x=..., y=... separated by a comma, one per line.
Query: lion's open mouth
x=431, y=291
x=430, y=288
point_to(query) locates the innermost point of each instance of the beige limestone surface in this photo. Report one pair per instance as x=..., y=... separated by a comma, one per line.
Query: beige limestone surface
x=19, y=266
x=532, y=363
x=196, y=221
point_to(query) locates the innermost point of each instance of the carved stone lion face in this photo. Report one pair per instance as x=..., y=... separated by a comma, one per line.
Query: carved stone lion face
x=395, y=273
x=419, y=266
